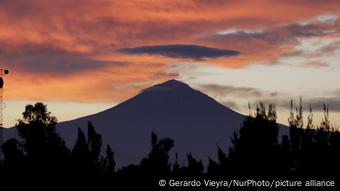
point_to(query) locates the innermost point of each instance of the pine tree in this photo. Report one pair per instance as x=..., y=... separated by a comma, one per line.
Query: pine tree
x=254, y=147
x=81, y=154
x=110, y=163
x=94, y=142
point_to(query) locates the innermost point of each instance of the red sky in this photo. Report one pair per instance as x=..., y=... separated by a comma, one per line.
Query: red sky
x=70, y=50
x=60, y=45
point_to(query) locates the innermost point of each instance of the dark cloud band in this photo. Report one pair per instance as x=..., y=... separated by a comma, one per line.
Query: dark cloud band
x=181, y=51
x=43, y=58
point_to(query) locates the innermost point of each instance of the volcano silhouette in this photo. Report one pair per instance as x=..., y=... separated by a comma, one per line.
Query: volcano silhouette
x=195, y=121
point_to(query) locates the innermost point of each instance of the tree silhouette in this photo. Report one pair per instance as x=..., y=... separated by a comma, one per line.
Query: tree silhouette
x=157, y=162
x=195, y=167
x=81, y=153
x=86, y=152
x=14, y=156
x=222, y=166
x=43, y=146
x=296, y=126
x=109, y=162
x=94, y=142
x=214, y=168
x=322, y=144
x=176, y=167
x=254, y=148
x=284, y=156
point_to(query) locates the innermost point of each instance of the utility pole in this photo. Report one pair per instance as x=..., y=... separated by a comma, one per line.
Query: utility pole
x=2, y=73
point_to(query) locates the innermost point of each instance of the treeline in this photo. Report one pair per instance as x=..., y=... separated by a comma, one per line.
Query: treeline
x=256, y=149
x=41, y=150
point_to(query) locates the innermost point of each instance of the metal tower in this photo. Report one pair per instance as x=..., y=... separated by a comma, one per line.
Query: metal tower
x=2, y=72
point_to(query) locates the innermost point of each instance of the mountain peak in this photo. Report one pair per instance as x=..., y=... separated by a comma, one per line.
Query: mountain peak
x=169, y=85
x=173, y=84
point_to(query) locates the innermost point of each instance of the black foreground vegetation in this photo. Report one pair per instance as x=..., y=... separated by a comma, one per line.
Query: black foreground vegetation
x=256, y=150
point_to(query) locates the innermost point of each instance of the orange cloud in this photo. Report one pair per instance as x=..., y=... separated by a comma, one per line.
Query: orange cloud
x=89, y=86
x=67, y=49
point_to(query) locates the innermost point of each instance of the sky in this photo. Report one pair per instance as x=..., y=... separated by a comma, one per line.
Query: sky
x=83, y=56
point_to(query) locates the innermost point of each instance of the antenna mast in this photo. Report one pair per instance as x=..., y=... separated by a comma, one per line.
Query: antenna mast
x=2, y=73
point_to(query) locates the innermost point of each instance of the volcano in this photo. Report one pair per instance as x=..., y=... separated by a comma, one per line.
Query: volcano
x=196, y=122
